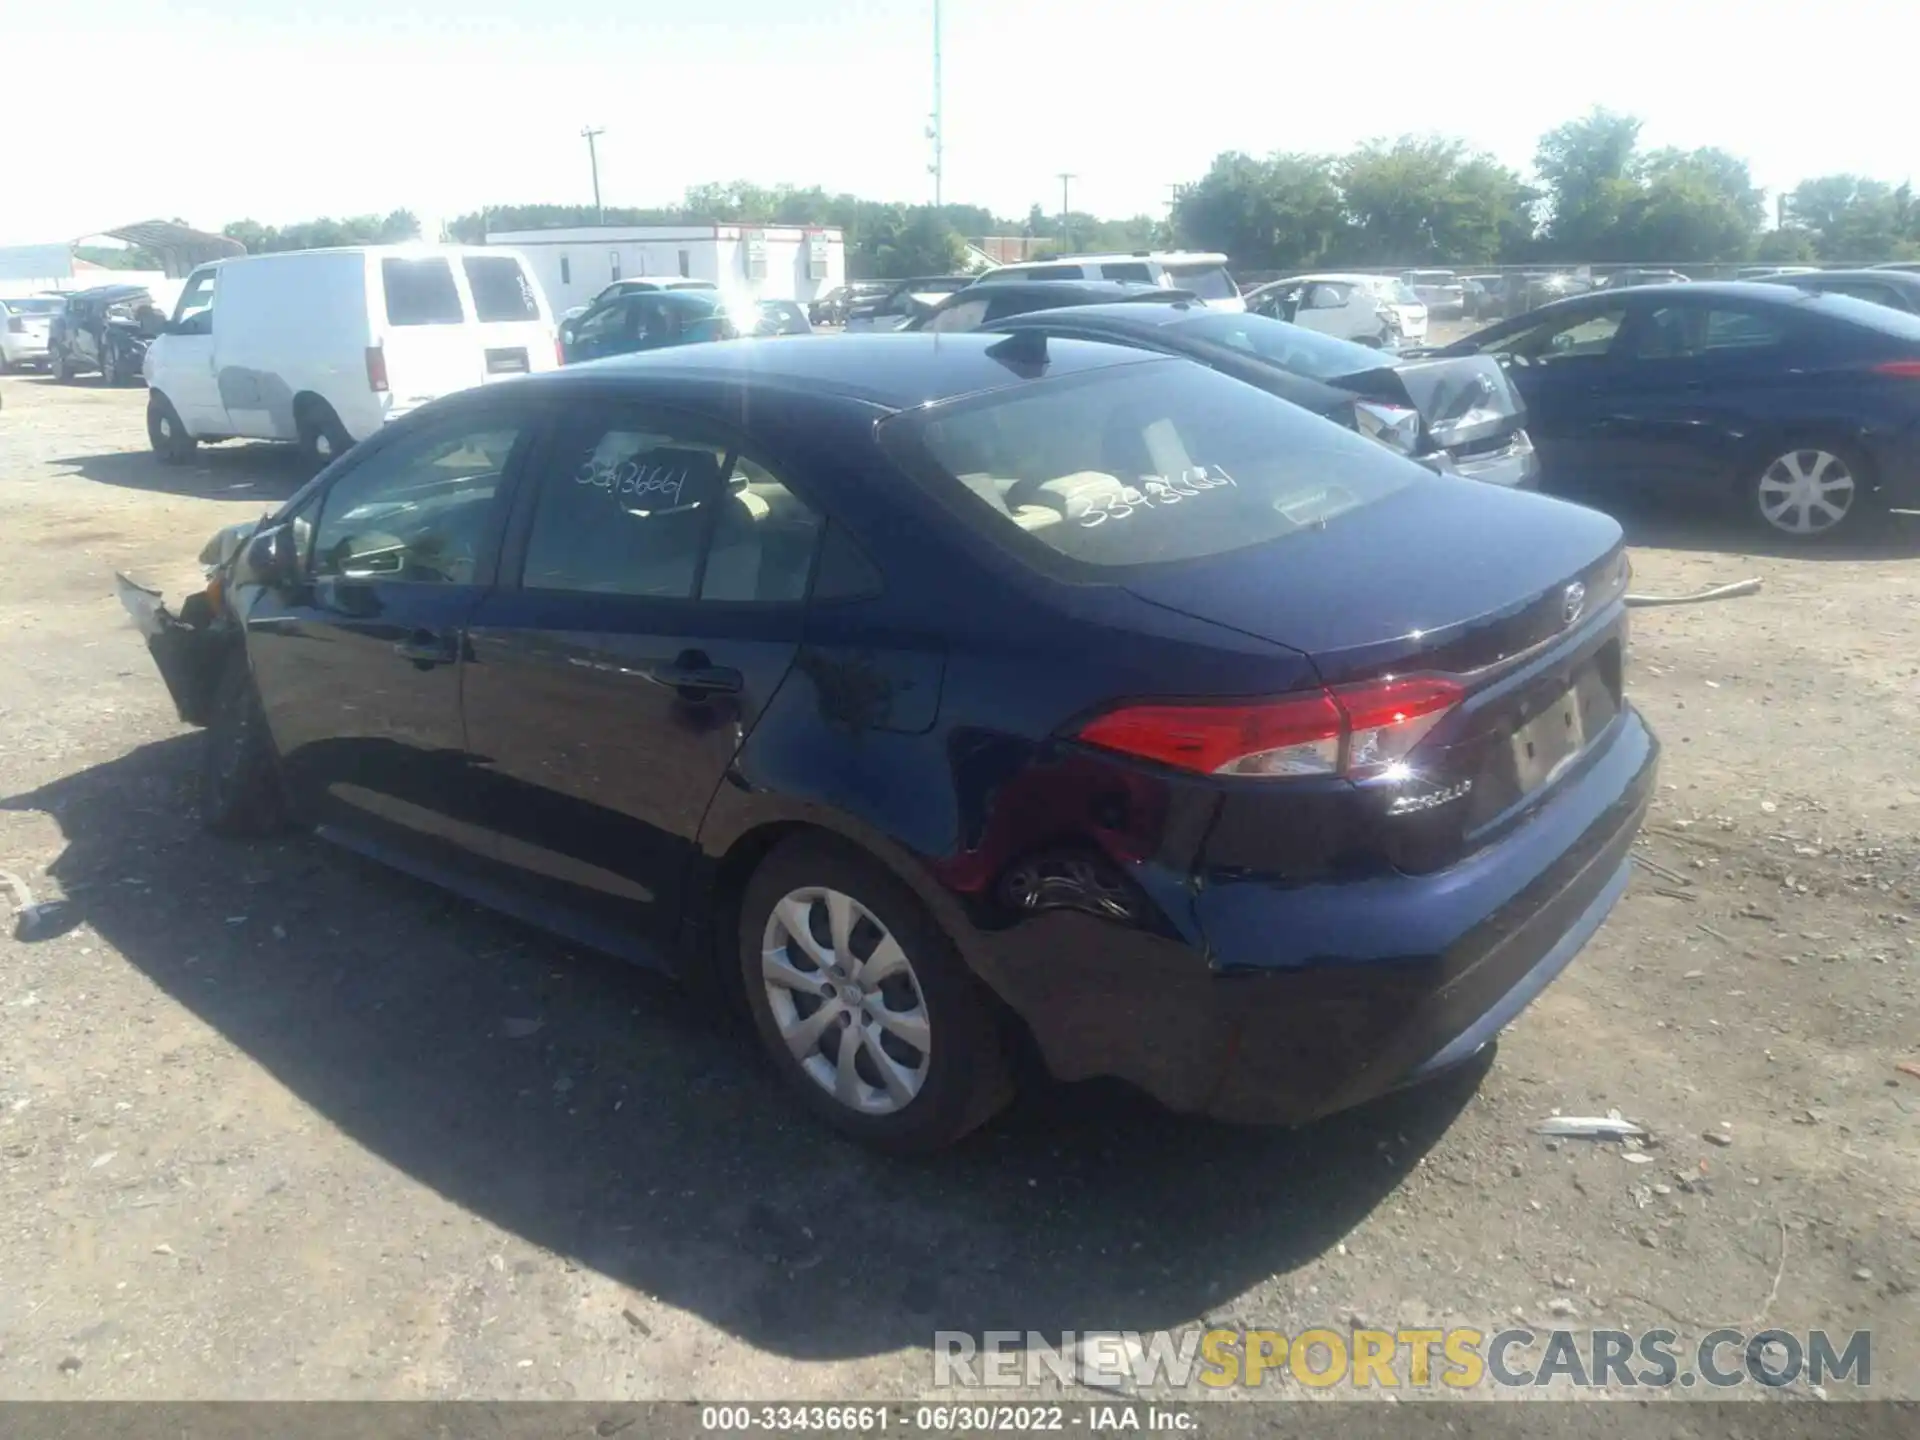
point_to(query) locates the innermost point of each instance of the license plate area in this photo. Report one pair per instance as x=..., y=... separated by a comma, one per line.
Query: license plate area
x=1545, y=745
x=507, y=362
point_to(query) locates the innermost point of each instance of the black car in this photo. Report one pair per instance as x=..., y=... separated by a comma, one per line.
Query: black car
x=939, y=697
x=1880, y=286
x=904, y=302
x=638, y=320
x=832, y=308
x=107, y=328
x=1803, y=409
x=780, y=317
x=982, y=305
x=1457, y=416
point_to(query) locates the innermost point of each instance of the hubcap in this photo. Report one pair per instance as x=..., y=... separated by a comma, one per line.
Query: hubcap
x=1805, y=492
x=846, y=1000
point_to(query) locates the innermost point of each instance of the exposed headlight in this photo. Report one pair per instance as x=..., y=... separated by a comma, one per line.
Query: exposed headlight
x=1394, y=426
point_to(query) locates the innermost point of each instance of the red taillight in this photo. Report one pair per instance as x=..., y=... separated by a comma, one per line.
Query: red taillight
x=559, y=351
x=1904, y=369
x=1351, y=730
x=376, y=369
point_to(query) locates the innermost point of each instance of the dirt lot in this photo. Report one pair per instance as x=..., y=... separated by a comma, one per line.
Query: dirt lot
x=263, y=1131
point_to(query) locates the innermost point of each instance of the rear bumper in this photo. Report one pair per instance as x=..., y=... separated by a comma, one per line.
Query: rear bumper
x=18, y=349
x=1284, y=1002
x=1403, y=977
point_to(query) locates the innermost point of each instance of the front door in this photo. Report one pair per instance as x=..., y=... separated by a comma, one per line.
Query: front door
x=185, y=366
x=1568, y=372
x=359, y=665
x=661, y=576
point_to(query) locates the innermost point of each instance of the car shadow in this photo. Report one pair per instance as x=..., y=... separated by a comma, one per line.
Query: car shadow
x=232, y=471
x=635, y=1133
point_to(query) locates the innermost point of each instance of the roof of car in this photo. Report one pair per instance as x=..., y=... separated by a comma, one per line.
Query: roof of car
x=1163, y=257
x=1898, y=277
x=1057, y=290
x=892, y=370
x=108, y=292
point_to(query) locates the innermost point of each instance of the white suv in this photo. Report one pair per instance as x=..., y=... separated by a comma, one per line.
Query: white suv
x=1375, y=310
x=1202, y=273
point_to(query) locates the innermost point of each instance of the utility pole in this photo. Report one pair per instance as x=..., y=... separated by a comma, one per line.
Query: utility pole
x=1067, y=177
x=593, y=159
x=934, y=130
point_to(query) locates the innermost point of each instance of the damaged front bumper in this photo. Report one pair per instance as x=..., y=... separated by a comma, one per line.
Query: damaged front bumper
x=188, y=648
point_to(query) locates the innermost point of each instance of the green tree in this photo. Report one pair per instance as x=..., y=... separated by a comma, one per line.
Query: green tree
x=1694, y=206
x=1850, y=217
x=1788, y=245
x=1587, y=166
x=1277, y=213
x=396, y=226
x=1418, y=201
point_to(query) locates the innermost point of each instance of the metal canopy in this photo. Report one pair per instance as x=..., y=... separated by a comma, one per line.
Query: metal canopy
x=179, y=247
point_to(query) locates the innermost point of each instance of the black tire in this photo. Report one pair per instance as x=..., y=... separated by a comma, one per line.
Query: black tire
x=61, y=374
x=240, y=792
x=110, y=375
x=1837, y=472
x=165, y=433
x=323, y=438
x=967, y=1074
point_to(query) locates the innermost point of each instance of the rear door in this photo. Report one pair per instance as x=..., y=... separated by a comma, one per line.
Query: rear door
x=1697, y=380
x=421, y=316
x=359, y=664
x=654, y=595
x=510, y=313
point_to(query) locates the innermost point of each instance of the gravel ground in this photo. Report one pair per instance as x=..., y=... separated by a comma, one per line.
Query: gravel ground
x=274, y=1123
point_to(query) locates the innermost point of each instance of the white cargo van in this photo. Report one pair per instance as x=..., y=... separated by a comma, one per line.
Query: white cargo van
x=323, y=347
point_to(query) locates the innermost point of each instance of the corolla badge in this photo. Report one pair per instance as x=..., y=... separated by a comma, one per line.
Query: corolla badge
x=1572, y=603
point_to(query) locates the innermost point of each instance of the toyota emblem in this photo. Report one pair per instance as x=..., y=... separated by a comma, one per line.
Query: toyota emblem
x=1572, y=603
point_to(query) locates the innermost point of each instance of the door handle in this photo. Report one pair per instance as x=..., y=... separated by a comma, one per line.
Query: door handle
x=694, y=676
x=425, y=649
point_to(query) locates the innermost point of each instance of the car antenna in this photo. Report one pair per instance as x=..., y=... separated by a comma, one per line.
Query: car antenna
x=1022, y=347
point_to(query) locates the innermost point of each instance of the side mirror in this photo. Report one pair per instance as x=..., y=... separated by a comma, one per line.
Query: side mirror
x=566, y=333
x=272, y=559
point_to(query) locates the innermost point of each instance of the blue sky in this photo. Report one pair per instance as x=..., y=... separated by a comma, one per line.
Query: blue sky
x=281, y=111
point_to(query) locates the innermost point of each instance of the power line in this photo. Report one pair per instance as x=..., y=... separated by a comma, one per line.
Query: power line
x=934, y=131
x=593, y=159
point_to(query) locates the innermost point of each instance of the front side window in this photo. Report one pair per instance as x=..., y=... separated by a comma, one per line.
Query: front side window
x=194, y=314
x=1140, y=463
x=417, y=510
x=649, y=508
x=501, y=289
x=1564, y=337
x=421, y=292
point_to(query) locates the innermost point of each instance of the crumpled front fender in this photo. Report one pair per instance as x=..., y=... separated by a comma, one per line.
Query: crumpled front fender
x=189, y=649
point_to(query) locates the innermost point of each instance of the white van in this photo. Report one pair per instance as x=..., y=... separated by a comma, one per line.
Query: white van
x=323, y=347
x=1203, y=273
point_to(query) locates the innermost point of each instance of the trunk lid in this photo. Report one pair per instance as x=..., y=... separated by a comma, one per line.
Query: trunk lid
x=1443, y=575
x=1497, y=589
x=1462, y=401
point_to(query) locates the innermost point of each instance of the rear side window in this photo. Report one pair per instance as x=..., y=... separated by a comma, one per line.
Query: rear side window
x=421, y=292
x=501, y=290
x=1140, y=464
x=1131, y=270
x=1209, y=282
x=1043, y=272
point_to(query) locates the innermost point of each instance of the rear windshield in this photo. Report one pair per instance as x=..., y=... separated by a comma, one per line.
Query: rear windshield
x=30, y=307
x=421, y=292
x=501, y=290
x=1884, y=318
x=1294, y=349
x=1141, y=464
x=1209, y=282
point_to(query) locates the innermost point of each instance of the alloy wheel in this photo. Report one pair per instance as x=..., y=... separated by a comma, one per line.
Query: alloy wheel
x=844, y=996
x=1806, y=492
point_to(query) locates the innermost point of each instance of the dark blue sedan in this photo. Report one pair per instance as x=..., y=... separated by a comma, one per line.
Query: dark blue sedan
x=1802, y=410
x=931, y=695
